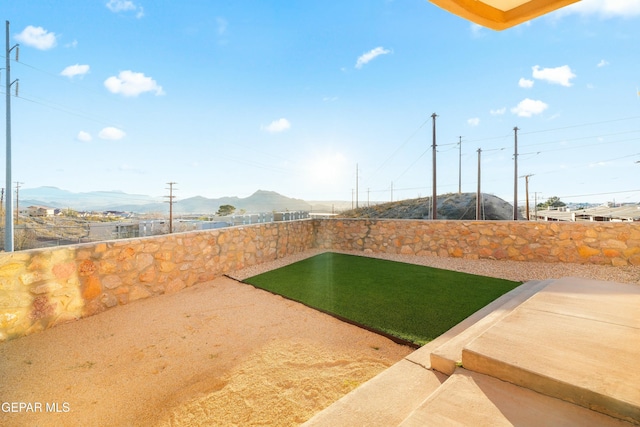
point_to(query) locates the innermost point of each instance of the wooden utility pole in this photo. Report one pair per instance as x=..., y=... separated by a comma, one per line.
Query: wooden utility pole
x=170, y=201
x=18, y=200
x=357, y=186
x=515, y=175
x=434, y=196
x=478, y=194
x=460, y=165
x=526, y=180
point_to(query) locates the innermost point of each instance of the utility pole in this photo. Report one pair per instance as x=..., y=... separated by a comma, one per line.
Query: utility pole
x=392, y=191
x=515, y=175
x=357, y=186
x=18, y=200
x=460, y=165
x=434, y=197
x=478, y=194
x=368, y=197
x=8, y=225
x=526, y=180
x=171, y=202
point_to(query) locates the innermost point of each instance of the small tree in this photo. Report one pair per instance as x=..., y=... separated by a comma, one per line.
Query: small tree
x=552, y=202
x=225, y=210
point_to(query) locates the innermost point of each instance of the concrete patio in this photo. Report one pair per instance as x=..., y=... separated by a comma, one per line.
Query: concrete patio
x=556, y=352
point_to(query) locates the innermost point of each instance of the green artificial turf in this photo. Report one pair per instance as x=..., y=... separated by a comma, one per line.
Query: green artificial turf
x=411, y=302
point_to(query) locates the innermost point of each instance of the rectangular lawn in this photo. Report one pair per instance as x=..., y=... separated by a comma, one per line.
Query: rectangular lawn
x=411, y=302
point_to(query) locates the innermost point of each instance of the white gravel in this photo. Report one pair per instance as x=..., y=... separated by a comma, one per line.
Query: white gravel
x=518, y=271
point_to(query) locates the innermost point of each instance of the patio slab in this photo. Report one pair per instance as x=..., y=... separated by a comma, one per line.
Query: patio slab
x=577, y=340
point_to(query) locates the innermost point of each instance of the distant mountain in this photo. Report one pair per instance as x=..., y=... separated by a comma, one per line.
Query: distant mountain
x=93, y=200
x=260, y=201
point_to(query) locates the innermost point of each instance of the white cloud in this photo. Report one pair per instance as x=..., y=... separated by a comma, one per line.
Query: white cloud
x=111, y=133
x=279, y=125
x=84, y=136
x=371, y=55
x=602, y=63
x=477, y=30
x=559, y=75
x=475, y=121
x=37, y=37
x=73, y=44
x=129, y=83
x=604, y=8
x=118, y=6
x=529, y=107
x=75, y=70
x=498, y=112
x=222, y=25
x=525, y=83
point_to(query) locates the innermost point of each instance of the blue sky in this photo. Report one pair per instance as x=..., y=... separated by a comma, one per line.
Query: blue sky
x=228, y=97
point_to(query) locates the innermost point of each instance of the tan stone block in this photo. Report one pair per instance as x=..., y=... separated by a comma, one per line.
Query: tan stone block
x=631, y=251
x=615, y=244
x=87, y=268
x=10, y=317
x=127, y=252
x=30, y=277
x=151, y=247
x=108, y=266
x=589, y=232
x=91, y=288
x=112, y=281
x=611, y=253
x=15, y=299
x=46, y=288
x=457, y=252
x=138, y=292
x=619, y=262
x=144, y=260
x=634, y=259
x=11, y=269
x=174, y=286
x=100, y=248
x=500, y=254
x=406, y=250
x=64, y=271
x=587, y=251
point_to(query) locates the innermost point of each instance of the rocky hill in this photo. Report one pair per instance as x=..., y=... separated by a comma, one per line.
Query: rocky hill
x=449, y=206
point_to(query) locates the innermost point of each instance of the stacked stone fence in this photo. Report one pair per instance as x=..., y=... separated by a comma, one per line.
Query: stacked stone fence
x=42, y=288
x=610, y=243
x=45, y=287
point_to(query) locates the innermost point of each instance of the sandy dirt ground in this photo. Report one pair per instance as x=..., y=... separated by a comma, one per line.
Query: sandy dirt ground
x=218, y=353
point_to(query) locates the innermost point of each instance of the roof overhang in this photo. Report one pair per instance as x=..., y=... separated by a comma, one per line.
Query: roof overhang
x=501, y=14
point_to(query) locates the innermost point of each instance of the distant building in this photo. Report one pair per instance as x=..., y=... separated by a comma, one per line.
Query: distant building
x=40, y=211
x=627, y=213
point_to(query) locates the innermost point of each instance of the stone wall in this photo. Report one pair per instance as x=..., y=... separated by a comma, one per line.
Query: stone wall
x=606, y=243
x=42, y=288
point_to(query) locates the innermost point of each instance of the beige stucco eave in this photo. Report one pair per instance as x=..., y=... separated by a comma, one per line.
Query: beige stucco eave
x=501, y=14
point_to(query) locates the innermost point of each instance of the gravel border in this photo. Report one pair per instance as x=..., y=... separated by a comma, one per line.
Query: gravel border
x=519, y=271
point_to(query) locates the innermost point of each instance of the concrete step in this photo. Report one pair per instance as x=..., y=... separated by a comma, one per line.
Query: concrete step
x=472, y=399
x=445, y=358
x=383, y=401
x=577, y=340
